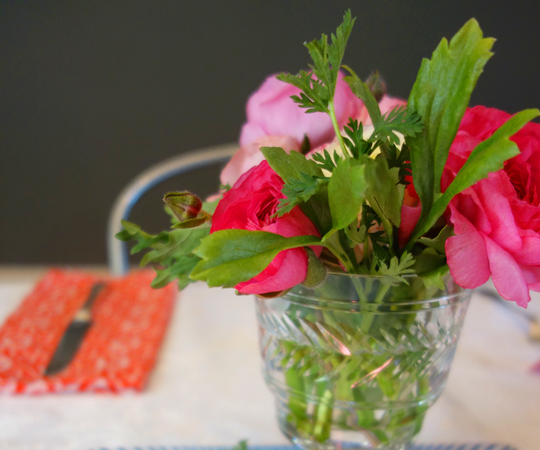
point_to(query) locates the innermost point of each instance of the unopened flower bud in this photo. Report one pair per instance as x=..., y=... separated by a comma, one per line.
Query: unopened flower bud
x=316, y=272
x=376, y=85
x=187, y=208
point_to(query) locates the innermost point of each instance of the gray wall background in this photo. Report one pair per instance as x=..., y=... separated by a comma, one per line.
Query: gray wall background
x=93, y=92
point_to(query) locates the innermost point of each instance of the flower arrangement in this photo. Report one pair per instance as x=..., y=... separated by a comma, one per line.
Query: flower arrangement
x=360, y=220
x=366, y=183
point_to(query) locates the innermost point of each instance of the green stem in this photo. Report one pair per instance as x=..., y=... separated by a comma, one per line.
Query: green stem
x=332, y=114
x=323, y=417
x=334, y=245
x=366, y=259
x=367, y=318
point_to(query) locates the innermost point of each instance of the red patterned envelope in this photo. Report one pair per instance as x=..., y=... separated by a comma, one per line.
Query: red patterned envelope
x=129, y=320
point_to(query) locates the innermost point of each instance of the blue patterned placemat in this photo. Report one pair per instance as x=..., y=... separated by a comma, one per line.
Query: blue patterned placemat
x=291, y=447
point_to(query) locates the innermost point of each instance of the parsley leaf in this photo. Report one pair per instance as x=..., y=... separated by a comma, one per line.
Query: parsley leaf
x=326, y=161
x=314, y=96
x=397, y=266
x=172, y=251
x=355, y=139
x=299, y=190
x=398, y=120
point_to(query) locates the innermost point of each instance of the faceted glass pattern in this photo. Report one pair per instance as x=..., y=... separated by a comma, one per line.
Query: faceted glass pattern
x=356, y=361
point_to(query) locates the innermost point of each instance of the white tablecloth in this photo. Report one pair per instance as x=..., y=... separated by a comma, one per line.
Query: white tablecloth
x=207, y=387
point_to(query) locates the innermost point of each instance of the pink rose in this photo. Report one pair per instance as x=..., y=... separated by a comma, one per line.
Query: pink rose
x=496, y=221
x=250, y=205
x=250, y=156
x=271, y=111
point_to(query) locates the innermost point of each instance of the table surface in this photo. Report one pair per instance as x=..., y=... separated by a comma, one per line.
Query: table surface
x=207, y=387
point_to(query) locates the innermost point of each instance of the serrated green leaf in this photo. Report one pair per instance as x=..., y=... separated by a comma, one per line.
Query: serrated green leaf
x=230, y=257
x=299, y=191
x=398, y=120
x=318, y=93
x=172, y=250
x=314, y=96
x=385, y=193
x=346, y=192
x=181, y=242
x=179, y=270
x=289, y=166
x=325, y=161
x=356, y=233
x=396, y=268
x=440, y=96
x=132, y=231
x=361, y=90
x=316, y=208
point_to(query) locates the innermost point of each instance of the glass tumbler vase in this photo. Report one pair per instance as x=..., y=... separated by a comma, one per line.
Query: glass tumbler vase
x=356, y=361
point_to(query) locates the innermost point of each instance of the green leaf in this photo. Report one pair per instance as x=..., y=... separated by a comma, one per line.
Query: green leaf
x=179, y=270
x=181, y=242
x=317, y=93
x=434, y=278
x=132, y=231
x=440, y=96
x=289, y=166
x=428, y=260
x=356, y=232
x=385, y=193
x=325, y=161
x=362, y=91
x=230, y=257
x=303, y=165
x=397, y=267
x=439, y=242
x=299, y=191
x=314, y=96
x=488, y=156
x=346, y=192
x=328, y=59
x=172, y=250
x=355, y=139
x=398, y=120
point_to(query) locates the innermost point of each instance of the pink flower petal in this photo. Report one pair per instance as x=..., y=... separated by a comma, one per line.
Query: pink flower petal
x=492, y=192
x=409, y=219
x=466, y=253
x=507, y=275
x=250, y=156
x=532, y=277
x=287, y=270
x=529, y=254
x=250, y=132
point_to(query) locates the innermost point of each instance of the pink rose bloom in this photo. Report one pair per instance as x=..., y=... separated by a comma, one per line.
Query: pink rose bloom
x=250, y=205
x=496, y=221
x=250, y=156
x=271, y=111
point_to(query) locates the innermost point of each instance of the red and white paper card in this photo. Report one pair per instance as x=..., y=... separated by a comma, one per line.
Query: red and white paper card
x=129, y=320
